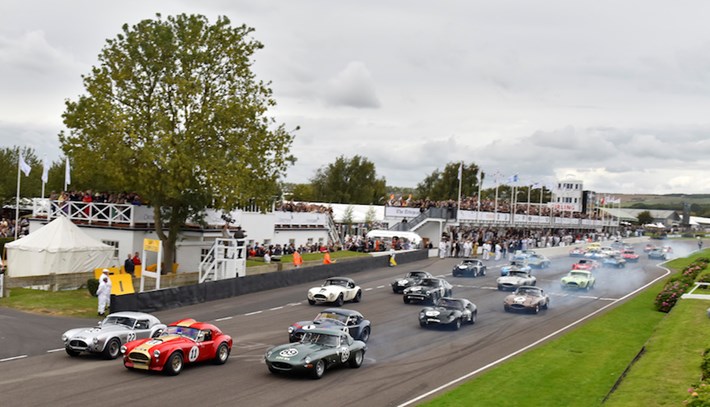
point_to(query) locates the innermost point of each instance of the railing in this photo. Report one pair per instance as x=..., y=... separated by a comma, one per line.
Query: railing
x=333, y=231
x=225, y=259
x=88, y=212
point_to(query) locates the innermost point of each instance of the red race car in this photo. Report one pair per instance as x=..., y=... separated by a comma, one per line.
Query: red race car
x=586, y=264
x=630, y=255
x=184, y=341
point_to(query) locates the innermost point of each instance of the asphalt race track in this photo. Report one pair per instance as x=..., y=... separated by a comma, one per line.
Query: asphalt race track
x=403, y=361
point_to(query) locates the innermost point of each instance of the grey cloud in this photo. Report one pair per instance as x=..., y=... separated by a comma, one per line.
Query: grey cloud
x=353, y=86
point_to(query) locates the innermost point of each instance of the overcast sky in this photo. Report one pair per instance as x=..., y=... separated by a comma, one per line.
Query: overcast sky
x=613, y=93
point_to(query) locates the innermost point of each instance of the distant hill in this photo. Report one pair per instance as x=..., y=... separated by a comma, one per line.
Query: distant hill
x=663, y=201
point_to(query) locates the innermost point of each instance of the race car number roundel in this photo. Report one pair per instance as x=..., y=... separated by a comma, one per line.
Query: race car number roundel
x=194, y=353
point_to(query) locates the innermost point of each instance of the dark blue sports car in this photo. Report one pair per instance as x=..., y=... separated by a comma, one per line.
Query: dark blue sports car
x=333, y=318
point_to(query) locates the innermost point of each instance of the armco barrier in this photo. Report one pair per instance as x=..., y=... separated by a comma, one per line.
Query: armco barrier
x=168, y=298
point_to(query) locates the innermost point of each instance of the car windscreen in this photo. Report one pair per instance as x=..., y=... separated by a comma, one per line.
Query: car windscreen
x=428, y=282
x=343, y=283
x=115, y=320
x=182, y=331
x=450, y=304
x=331, y=315
x=320, y=339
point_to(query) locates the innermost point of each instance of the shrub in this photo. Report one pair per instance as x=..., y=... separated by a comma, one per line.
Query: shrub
x=699, y=395
x=92, y=285
x=666, y=299
x=704, y=277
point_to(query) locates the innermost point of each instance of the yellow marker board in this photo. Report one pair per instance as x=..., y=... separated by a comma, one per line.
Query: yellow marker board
x=121, y=284
x=151, y=245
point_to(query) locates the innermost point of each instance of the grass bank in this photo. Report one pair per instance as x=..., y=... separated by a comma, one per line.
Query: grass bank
x=72, y=303
x=582, y=367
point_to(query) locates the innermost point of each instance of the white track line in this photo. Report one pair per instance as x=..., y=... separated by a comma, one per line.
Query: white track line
x=537, y=342
x=55, y=350
x=13, y=358
x=223, y=319
x=275, y=308
x=253, y=313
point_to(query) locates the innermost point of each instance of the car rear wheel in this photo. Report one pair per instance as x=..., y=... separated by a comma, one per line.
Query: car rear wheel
x=71, y=352
x=365, y=336
x=318, y=369
x=356, y=359
x=339, y=301
x=173, y=366
x=474, y=316
x=358, y=296
x=222, y=354
x=112, y=349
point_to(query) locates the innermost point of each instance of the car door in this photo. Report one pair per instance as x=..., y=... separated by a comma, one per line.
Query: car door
x=141, y=330
x=205, y=345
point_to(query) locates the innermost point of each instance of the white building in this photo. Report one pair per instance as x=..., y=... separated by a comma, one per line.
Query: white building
x=567, y=196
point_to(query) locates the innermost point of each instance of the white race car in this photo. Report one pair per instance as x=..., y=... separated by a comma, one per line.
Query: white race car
x=335, y=290
x=515, y=279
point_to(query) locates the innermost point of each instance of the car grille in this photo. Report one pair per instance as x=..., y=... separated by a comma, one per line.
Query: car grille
x=572, y=285
x=319, y=297
x=138, y=357
x=281, y=366
x=509, y=286
x=517, y=306
x=77, y=344
x=417, y=297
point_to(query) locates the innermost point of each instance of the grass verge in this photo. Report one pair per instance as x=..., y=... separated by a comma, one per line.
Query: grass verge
x=577, y=369
x=581, y=367
x=72, y=303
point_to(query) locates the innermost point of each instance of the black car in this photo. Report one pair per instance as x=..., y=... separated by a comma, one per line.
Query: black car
x=428, y=290
x=451, y=312
x=469, y=267
x=410, y=279
x=333, y=318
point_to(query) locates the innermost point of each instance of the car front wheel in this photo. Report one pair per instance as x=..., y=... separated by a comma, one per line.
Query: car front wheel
x=173, y=366
x=112, y=349
x=318, y=369
x=365, y=336
x=339, y=301
x=358, y=296
x=71, y=352
x=474, y=316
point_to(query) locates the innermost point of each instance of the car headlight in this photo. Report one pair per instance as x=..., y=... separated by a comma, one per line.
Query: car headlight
x=156, y=354
x=123, y=349
x=290, y=329
x=96, y=340
x=307, y=360
x=64, y=338
x=427, y=292
x=268, y=353
x=422, y=314
x=331, y=296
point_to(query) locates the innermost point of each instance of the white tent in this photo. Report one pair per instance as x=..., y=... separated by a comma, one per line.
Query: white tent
x=59, y=247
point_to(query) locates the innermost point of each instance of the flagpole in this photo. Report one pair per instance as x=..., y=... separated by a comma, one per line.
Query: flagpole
x=17, y=199
x=478, y=203
x=458, y=206
x=528, y=210
x=495, y=206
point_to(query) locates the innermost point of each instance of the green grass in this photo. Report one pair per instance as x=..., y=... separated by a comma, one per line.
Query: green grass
x=580, y=368
x=342, y=254
x=671, y=362
x=74, y=303
x=577, y=369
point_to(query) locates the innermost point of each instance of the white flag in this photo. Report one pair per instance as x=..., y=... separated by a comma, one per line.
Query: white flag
x=45, y=170
x=536, y=185
x=67, y=173
x=513, y=178
x=24, y=167
x=460, y=170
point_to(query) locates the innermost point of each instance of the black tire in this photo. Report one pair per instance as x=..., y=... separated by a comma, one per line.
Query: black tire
x=365, y=335
x=405, y=299
x=272, y=370
x=457, y=324
x=356, y=359
x=358, y=296
x=311, y=302
x=422, y=324
x=483, y=272
x=222, y=354
x=112, y=349
x=455, y=274
x=174, y=365
x=474, y=317
x=72, y=352
x=318, y=369
x=536, y=309
x=506, y=309
x=339, y=301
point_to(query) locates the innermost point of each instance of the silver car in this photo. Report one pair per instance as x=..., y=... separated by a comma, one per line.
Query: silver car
x=115, y=330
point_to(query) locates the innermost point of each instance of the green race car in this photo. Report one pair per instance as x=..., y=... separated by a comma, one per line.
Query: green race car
x=318, y=350
x=578, y=279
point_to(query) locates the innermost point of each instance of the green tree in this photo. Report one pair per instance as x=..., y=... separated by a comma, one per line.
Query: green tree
x=174, y=113
x=443, y=185
x=302, y=192
x=644, y=218
x=370, y=216
x=348, y=180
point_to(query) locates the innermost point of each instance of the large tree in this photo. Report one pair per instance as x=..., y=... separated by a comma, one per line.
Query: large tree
x=174, y=113
x=443, y=185
x=348, y=180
